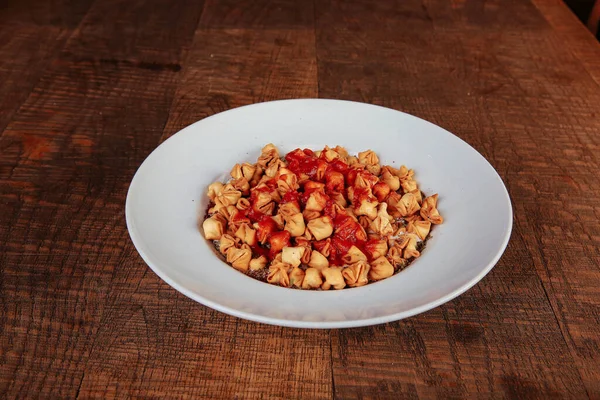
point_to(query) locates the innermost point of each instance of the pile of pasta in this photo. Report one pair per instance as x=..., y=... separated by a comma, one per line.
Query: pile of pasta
x=319, y=219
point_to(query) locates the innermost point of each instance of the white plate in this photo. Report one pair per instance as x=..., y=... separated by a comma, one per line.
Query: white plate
x=167, y=197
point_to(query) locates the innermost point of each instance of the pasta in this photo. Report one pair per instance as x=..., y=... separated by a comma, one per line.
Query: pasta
x=319, y=220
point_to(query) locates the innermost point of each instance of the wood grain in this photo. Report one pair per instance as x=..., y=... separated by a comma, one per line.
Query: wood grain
x=89, y=88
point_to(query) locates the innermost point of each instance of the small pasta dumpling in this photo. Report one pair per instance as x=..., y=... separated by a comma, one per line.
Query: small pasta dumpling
x=380, y=269
x=382, y=223
x=381, y=191
x=297, y=277
x=321, y=169
x=229, y=195
x=267, y=155
x=320, y=228
x=367, y=206
x=242, y=204
x=420, y=228
x=323, y=246
x=329, y=154
x=393, y=202
x=394, y=256
x=388, y=176
x=286, y=183
x=278, y=274
x=279, y=221
x=365, y=179
x=258, y=174
x=318, y=260
x=292, y=255
x=311, y=186
x=376, y=248
x=215, y=189
x=418, y=195
x=258, y=263
x=316, y=201
x=242, y=185
x=273, y=168
x=410, y=250
x=244, y=170
x=312, y=279
x=333, y=278
x=354, y=255
x=343, y=153
x=356, y=274
x=264, y=229
x=214, y=227
x=409, y=185
x=288, y=209
x=339, y=199
x=429, y=210
x=246, y=234
x=263, y=203
x=368, y=157
x=309, y=215
x=408, y=205
x=228, y=212
x=240, y=258
x=226, y=242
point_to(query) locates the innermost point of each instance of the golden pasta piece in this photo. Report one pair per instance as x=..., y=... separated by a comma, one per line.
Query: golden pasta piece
x=410, y=250
x=312, y=279
x=278, y=274
x=367, y=207
x=310, y=186
x=273, y=168
x=368, y=157
x=394, y=256
x=267, y=155
x=228, y=212
x=420, y=228
x=329, y=154
x=242, y=204
x=286, y=183
x=334, y=181
x=259, y=263
x=376, y=248
x=307, y=254
x=279, y=240
x=242, y=185
x=339, y=199
x=389, y=178
x=323, y=246
x=264, y=203
x=382, y=224
x=297, y=277
x=215, y=189
x=356, y=274
x=214, y=227
x=343, y=153
x=318, y=260
x=418, y=195
x=258, y=173
x=354, y=255
x=289, y=209
x=374, y=169
x=316, y=201
x=292, y=255
x=333, y=278
x=321, y=228
x=408, y=205
x=225, y=243
x=429, y=210
x=352, y=160
x=365, y=179
x=239, y=258
x=409, y=185
x=310, y=215
x=244, y=170
x=380, y=269
x=302, y=241
x=246, y=234
x=229, y=196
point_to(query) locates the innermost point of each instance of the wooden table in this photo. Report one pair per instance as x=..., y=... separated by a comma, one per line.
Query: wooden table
x=89, y=88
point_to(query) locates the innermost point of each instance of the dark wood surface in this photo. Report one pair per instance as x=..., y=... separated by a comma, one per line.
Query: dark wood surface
x=89, y=88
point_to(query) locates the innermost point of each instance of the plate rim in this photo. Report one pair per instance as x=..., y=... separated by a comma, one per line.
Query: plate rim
x=294, y=323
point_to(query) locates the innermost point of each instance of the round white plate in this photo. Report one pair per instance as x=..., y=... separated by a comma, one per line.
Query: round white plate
x=167, y=198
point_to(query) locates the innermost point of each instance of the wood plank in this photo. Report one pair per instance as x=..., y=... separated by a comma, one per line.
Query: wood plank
x=241, y=56
x=32, y=34
x=474, y=76
x=66, y=159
